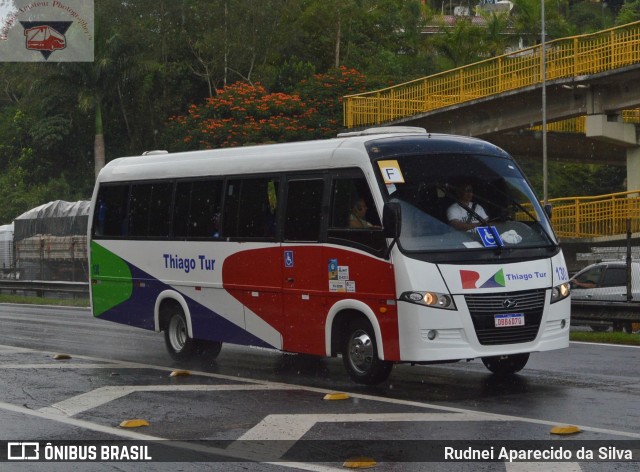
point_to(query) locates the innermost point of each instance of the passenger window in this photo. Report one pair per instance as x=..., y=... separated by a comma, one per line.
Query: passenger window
x=352, y=205
x=197, y=209
x=304, y=210
x=354, y=219
x=150, y=209
x=588, y=279
x=615, y=277
x=251, y=208
x=110, y=218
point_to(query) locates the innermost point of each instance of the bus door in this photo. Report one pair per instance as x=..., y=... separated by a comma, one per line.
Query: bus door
x=304, y=280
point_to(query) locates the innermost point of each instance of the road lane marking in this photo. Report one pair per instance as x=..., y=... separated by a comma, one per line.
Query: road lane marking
x=132, y=435
x=291, y=427
x=100, y=396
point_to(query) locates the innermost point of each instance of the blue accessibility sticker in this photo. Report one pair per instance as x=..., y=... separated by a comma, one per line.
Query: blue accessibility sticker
x=489, y=236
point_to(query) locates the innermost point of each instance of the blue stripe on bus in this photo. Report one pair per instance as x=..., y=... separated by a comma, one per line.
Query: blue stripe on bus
x=205, y=322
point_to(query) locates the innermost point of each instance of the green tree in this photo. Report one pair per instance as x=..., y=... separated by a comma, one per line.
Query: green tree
x=629, y=12
x=458, y=46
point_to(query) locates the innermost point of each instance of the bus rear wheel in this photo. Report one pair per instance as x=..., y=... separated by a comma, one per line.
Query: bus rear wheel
x=180, y=346
x=506, y=365
x=360, y=355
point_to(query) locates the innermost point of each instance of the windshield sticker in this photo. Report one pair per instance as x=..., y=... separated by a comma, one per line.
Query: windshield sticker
x=489, y=236
x=391, y=172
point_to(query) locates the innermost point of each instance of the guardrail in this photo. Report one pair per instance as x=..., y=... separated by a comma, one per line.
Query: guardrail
x=42, y=287
x=567, y=57
x=601, y=315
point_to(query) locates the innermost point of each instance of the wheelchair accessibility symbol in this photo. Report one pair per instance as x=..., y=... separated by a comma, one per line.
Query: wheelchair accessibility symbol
x=488, y=235
x=288, y=258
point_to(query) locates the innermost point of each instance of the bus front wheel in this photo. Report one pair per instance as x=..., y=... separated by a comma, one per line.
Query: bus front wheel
x=506, y=365
x=360, y=355
x=181, y=347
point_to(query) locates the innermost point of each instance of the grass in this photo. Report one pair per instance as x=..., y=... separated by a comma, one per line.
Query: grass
x=81, y=302
x=608, y=337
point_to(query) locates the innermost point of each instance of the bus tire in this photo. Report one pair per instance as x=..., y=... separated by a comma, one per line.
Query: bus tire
x=360, y=354
x=180, y=346
x=506, y=365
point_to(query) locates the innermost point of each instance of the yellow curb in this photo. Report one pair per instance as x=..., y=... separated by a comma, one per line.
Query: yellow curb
x=180, y=373
x=134, y=423
x=359, y=463
x=336, y=396
x=565, y=430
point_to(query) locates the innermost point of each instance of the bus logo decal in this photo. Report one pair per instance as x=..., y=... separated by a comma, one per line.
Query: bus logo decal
x=469, y=279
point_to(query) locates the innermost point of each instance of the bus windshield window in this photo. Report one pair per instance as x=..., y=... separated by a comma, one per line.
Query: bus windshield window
x=463, y=201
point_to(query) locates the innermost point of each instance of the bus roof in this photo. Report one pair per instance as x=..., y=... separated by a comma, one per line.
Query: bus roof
x=347, y=150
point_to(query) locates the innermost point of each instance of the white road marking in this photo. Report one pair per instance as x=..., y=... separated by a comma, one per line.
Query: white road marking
x=98, y=397
x=293, y=427
x=132, y=435
x=64, y=365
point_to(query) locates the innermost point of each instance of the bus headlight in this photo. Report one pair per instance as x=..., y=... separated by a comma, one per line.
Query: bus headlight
x=432, y=299
x=560, y=292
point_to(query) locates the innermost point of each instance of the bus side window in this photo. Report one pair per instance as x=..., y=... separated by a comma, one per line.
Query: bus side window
x=346, y=194
x=250, y=208
x=110, y=218
x=304, y=210
x=197, y=209
x=150, y=209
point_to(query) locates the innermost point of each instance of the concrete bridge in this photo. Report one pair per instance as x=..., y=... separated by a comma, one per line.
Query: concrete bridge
x=593, y=79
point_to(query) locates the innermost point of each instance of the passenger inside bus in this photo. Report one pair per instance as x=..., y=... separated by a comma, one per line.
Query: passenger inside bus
x=357, y=218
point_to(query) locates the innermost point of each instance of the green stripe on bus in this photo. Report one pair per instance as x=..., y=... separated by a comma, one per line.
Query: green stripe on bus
x=111, y=281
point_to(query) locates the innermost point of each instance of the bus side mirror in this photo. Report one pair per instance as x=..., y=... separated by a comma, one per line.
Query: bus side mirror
x=391, y=220
x=547, y=210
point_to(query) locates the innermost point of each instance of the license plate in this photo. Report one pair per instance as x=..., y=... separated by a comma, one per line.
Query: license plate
x=509, y=319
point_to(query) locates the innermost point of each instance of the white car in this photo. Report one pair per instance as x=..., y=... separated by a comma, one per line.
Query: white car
x=606, y=281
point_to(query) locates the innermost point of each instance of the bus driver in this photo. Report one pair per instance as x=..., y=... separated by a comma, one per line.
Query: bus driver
x=460, y=218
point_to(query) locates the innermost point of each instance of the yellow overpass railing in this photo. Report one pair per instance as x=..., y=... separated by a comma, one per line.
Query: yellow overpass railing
x=602, y=215
x=566, y=57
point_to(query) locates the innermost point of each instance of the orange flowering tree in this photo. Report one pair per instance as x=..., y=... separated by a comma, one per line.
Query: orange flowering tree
x=324, y=92
x=243, y=114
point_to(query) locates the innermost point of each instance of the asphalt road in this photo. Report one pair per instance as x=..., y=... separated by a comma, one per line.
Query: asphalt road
x=273, y=395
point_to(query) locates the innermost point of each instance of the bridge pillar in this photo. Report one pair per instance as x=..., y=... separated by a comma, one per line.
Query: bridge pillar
x=611, y=129
x=633, y=168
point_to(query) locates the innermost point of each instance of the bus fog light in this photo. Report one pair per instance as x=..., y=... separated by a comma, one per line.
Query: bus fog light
x=431, y=335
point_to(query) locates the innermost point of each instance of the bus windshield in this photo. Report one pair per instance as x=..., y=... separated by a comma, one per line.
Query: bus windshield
x=464, y=202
